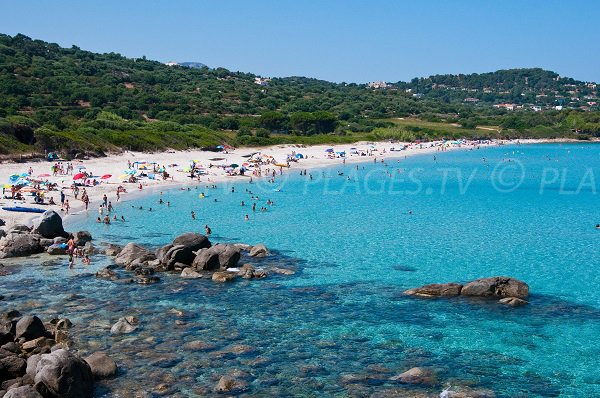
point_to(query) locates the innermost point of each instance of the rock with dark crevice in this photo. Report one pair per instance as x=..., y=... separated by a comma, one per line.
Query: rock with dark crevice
x=436, y=290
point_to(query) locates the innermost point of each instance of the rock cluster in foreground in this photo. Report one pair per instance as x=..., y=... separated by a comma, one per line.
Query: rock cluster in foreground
x=510, y=291
x=35, y=360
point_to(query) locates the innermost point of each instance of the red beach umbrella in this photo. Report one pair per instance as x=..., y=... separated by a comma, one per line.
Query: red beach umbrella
x=106, y=176
x=78, y=176
x=43, y=175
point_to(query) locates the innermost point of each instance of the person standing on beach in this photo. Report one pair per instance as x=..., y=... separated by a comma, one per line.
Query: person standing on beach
x=62, y=198
x=105, y=200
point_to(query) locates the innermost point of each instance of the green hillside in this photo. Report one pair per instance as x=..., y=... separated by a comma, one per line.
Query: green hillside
x=68, y=99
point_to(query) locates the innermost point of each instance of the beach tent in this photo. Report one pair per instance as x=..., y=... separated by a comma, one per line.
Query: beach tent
x=299, y=156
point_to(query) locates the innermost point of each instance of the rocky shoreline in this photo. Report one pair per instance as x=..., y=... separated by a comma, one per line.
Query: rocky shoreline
x=33, y=352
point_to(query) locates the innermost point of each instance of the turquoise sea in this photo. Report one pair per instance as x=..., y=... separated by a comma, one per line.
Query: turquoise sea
x=341, y=326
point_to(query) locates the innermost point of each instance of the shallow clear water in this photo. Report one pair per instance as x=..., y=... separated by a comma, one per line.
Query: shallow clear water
x=522, y=211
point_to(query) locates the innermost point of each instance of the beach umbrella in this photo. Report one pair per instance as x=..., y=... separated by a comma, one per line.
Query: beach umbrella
x=123, y=176
x=6, y=186
x=106, y=176
x=78, y=176
x=44, y=175
x=80, y=167
x=330, y=150
x=234, y=165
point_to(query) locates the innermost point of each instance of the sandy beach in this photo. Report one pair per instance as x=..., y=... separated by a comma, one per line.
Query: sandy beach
x=214, y=163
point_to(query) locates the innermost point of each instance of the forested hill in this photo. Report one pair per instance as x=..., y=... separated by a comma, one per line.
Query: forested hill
x=58, y=98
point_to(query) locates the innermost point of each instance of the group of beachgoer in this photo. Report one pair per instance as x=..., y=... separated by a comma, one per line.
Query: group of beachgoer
x=74, y=252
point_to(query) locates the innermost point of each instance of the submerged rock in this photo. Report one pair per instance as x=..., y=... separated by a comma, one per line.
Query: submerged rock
x=189, y=272
x=102, y=365
x=416, y=376
x=125, y=325
x=513, y=301
x=229, y=384
x=436, y=290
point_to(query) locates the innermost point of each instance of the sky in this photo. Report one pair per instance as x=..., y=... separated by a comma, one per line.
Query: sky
x=340, y=41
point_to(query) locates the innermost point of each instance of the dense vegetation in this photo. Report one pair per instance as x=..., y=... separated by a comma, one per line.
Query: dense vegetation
x=54, y=98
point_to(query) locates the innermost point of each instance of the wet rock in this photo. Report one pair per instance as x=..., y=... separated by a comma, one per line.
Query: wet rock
x=2, y=222
x=416, y=376
x=22, y=392
x=283, y=271
x=62, y=374
x=30, y=327
x=108, y=274
x=18, y=229
x=55, y=249
x=61, y=323
x=147, y=280
x=37, y=343
x=259, y=250
x=133, y=253
x=496, y=286
x=224, y=276
x=49, y=225
x=80, y=238
x=190, y=273
x=228, y=384
x=513, y=301
x=112, y=250
x=229, y=255
x=32, y=362
x=125, y=325
x=206, y=260
x=46, y=242
x=436, y=290
x=20, y=245
x=102, y=365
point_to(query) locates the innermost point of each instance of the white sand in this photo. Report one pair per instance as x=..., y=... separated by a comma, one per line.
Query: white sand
x=315, y=157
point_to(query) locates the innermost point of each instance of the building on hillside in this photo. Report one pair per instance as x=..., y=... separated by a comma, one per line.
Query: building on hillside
x=471, y=100
x=508, y=107
x=558, y=107
x=378, y=85
x=172, y=63
x=262, y=81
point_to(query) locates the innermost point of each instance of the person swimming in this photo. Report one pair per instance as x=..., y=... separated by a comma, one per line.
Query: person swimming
x=193, y=215
x=207, y=229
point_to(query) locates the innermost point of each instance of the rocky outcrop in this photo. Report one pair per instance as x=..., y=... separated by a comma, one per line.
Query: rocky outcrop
x=224, y=276
x=436, y=290
x=62, y=374
x=133, y=253
x=19, y=245
x=220, y=256
x=112, y=250
x=513, y=290
x=57, y=249
x=102, y=365
x=206, y=260
x=49, y=225
x=496, y=286
x=23, y=392
x=182, y=250
x=190, y=273
x=259, y=250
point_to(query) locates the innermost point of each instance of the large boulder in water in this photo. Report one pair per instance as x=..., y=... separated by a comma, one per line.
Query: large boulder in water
x=102, y=365
x=436, y=290
x=496, y=286
x=62, y=374
x=20, y=245
x=133, y=252
x=80, y=238
x=49, y=225
x=416, y=376
x=229, y=255
x=184, y=248
x=206, y=260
